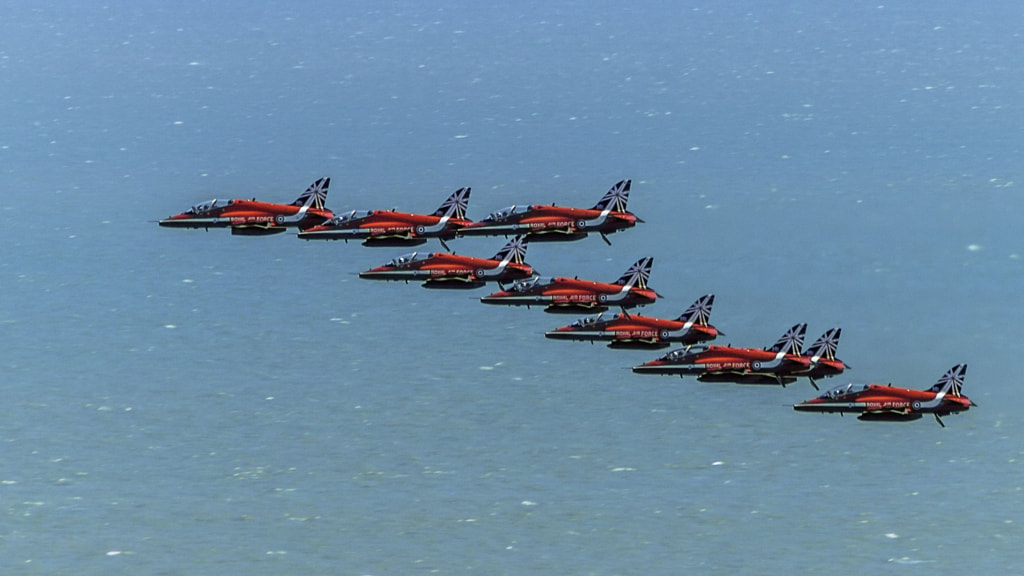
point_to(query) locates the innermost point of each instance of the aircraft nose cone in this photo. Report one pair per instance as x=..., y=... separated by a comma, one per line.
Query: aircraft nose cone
x=653, y=367
x=373, y=274
x=811, y=405
x=179, y=221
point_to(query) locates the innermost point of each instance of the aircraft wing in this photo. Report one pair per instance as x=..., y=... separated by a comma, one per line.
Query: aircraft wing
x=257, y=229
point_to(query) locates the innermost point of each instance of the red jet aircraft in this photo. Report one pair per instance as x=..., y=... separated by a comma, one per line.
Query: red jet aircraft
x=571, y=295
x=782, y=363
x=635, y=331
x=252, y=218
x=556, y=223
x=391, y=228
x=822, y=361
x=876, y=402
x=818, y=361
x=445, y=270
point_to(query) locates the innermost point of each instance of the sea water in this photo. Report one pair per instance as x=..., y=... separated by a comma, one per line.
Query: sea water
x=189, y=402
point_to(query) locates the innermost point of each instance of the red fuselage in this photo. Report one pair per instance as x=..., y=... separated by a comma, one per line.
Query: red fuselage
x=541, y=222
x=880, y=402
x=714, y=359
x=386, y=228
x=636, y=331
x=446, y=270
x=242, y=214
x=571, y=295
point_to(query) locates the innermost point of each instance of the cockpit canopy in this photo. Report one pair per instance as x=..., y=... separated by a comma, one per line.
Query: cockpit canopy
x=680, y=353
x=587, y=321
x=406, y=259
x=844, y=390
x=348, y=217
x=499, y=215
x=209, y=206
x=529, y=283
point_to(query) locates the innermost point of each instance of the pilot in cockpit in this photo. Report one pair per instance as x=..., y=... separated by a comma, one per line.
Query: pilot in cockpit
x=204, y=207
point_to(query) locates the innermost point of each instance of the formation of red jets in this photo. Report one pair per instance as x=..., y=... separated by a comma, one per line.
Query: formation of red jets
x=519, y=285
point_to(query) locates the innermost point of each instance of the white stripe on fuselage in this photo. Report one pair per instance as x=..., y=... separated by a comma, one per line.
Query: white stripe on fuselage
x=500, y=268
x=677, y=369
x=836, y=407
x=298, y=216
x=437, y=227
x=527, y=299
x=397, y=274
x=775, y=362
x=620, y=295
x=197, y=222
x=600, y=220
x=586, y=334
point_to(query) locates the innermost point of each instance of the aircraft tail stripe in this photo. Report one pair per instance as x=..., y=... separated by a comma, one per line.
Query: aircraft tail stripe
x=952, y=382
x=615, y=199
x=699, y=312
x=792, y=341
x=514, y=251
x=456, y=204
x=638, y=274
x=825, y=346
x=315, y=195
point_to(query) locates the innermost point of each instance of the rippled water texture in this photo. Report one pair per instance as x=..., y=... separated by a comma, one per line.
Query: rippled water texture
x=182, y=401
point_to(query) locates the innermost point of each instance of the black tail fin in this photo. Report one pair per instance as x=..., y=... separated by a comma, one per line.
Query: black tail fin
x=826, y=346
x=315, y=195
x=952, y=382
x=456, y=204
x=700, y=311
x=514, y=251
x=637, y=274
x=791, y=342
x=615, y=199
